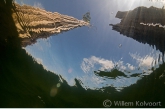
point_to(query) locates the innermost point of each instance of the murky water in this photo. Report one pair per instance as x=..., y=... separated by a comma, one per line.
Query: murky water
x=117, y=58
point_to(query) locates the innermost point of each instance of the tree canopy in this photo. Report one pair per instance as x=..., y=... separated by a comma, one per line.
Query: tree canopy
x=86, y=17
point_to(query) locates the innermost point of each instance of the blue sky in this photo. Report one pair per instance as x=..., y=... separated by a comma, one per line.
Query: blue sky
x=77, y=53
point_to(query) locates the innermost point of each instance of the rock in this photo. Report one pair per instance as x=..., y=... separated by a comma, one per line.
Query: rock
x=131, y=26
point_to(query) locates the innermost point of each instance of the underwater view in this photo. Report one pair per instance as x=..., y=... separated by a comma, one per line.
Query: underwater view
x=82, y=54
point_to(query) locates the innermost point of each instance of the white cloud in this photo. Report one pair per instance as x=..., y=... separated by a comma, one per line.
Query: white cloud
x=105, y=64
x=38, y=5
x=89, y=64
x=120, y=65
x=131, y=67
x=145, y=61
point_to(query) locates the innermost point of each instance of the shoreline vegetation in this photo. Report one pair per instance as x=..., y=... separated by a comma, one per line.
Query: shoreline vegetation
x=25, y=83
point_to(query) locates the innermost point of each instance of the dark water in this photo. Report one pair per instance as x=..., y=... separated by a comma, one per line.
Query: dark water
x=25, y=83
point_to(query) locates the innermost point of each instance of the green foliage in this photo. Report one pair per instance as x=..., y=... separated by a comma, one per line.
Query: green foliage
x=86, y=17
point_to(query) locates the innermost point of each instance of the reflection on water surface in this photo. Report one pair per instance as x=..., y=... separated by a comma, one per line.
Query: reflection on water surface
x=80, y=58
x=117, y=58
